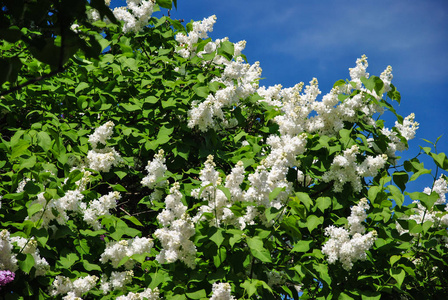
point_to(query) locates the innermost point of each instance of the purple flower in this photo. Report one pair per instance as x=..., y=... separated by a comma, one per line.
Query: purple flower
x=6, y=276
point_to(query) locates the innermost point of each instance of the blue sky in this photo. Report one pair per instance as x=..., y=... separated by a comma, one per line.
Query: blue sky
x=298, y=40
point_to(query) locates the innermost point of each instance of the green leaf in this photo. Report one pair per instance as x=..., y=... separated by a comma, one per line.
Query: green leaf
x=28, y=163
x=36, y=207
x=81, y=86
x=370, y=295
x=340, y=82
x=226, y=191
x=398, y=275
x=118, y=188
x=394, y=258
x=130, y=107
x=216, y=235
x=41, y=235
x=251, y=285
x=304, y=199
x=237, y=235
x=323, y=203
x=226, y=49
x=313, y=221
x=373, y=192
x=44, y=140
x=133, y=219
x=426, y=200
x=346, y=138
x=164, y=134
x=164, y=3
x=27, y=263
x=157, y=278
x=400, y=179
x=91, y=267
x=201, y=91
x=396, y=194
x=20, y=148
x=344, y=296
x=302, y=246
x=197, y=294
x=440, y=160
x=373, y=83
x=257, y=249
x=66, y=262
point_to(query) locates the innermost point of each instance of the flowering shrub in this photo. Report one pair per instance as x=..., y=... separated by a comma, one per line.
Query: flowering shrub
x=160, y=168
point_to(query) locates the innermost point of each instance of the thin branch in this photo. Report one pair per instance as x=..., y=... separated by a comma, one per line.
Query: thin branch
x=34, y=80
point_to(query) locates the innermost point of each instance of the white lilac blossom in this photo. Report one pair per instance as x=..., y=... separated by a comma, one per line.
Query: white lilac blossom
x=346, y=169
x=30, y=247
x=421, y=214
x=70, y=202
x=239, y=78
x=156, y=171
x=176, y=232
x=101, y=134
x=117, y=281
x=136, y=15
x=8, y=260
x=406, y=130
x=221, y=291
x=99, y=207
x=217, y=202
x=149, y=294
x=386, y=76
x=117, y=251
x=103, y=159
x=199, y=31
x=359, y=71
x=349, y=246
x=63, y=285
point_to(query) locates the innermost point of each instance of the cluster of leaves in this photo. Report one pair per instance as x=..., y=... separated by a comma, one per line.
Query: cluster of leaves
x=141, y=84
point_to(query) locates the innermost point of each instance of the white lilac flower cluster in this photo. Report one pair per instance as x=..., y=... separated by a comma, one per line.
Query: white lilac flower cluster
x=176, y=232
x=135, y=15
x=406, y=130
x=240, y=79
x=73, y=289
x=30, y=247
x=421, y=214
x=8, y=260
x=349, y=246
x=103, y=159
x=199, y=31
x=221, y=291
x=346, y=169
x=156, y=171
x=269, y=175
x=116, y=281
x=303, y=113
x=217, y=202
x=117, y=251
x=149, y=294
x=99, y=207
x=57, y=209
